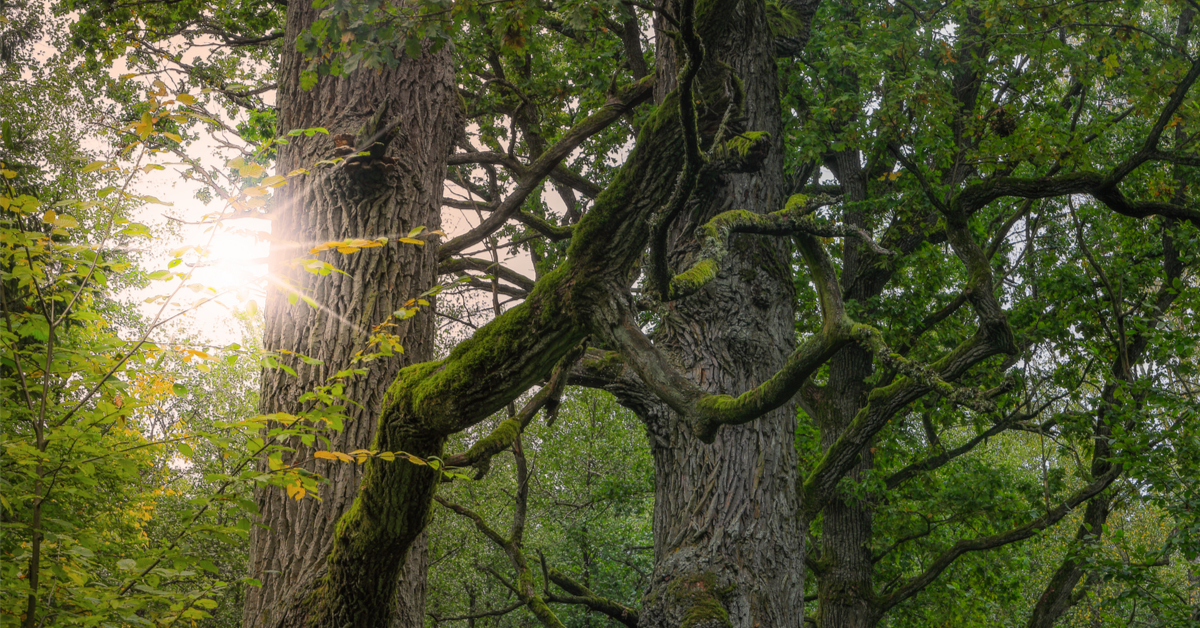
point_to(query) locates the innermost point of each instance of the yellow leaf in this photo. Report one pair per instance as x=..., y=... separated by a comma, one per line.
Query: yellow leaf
x=347, y=249
x=49, y=216
x=274, y=181
x=415, y=460
x=255, y=191
x=251, y=170
x=412, y=241
x=297, y=171
x=8, y=174
x=94, y=166
x=173, y=136
x=186, y=99
x=324, y=455
x=387, y=455
x=145, y=127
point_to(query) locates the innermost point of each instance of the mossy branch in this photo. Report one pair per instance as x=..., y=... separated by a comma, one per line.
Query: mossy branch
x=584, y=596
x=693, y=159
x=794, y=219
x=705, y=412
x=505, y=434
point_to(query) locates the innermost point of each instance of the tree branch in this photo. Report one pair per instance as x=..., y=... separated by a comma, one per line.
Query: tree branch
x=584, y=596
x=915, y=585
x=625, y=100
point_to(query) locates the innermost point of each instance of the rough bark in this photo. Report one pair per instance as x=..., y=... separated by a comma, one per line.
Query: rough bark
x=366, y=200
x=727, y=549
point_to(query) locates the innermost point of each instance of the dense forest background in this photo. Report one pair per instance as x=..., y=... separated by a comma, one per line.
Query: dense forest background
x=135, y=438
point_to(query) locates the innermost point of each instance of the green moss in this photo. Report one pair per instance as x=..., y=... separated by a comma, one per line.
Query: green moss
x=742, y=144
x=695, y=277
x=497, y=441
x=702, y=598
x=795, y=202
x=708, y=612
x=608, y=367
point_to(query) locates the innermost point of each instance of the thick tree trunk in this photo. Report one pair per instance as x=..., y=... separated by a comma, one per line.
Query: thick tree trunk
x=728, y=551
x=368, y=200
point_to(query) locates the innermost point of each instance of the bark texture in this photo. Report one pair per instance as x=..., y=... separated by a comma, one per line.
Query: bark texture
x=727, y=549
x=370, y=199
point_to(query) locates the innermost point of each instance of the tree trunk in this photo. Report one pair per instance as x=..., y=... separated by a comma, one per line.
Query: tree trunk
x=727, y=548
x=367, y=200
x=846, y=586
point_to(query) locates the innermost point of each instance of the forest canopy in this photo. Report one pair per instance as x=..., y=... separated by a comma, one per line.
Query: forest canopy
x=733, y=313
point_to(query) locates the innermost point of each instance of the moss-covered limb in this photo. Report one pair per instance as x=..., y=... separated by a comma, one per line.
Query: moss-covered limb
x=482, y=374
x=461, y=264
x=372, y=538
x=705, y=412
x=583, y=596
x=794, y=219
x=614, y=322
x=973, y=398
x=693, y=60
x=509, y=430
x=883, y=404
x=624, y=100
x=713, y=411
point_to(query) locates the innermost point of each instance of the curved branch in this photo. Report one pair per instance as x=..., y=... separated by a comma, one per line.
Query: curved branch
x=584, y=596
x=617, y=106
x=460, y=264
x=915, y=585
x=1097, y=185
x=659, y=270
x=794, y=219
x=560, y=174
x=705, y=412
x=508, y=431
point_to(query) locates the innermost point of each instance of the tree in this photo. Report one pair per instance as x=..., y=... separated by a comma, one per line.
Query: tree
x=413, y=107
x=987, y=177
